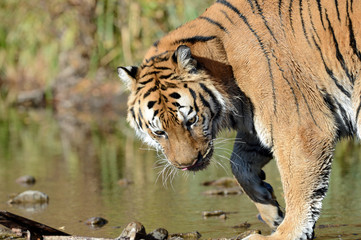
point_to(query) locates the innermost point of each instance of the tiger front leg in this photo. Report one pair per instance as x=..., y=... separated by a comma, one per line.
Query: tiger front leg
x=247, y=160
x=304, y=163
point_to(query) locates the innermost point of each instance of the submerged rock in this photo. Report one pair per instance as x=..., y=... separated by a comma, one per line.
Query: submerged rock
x=26, y=180
x=243, y=225
x=189, y=236
x=222, y=182
x=96, y=222
x=30, y=197
x=224, y=191
x=217, y=213
x=245, y=234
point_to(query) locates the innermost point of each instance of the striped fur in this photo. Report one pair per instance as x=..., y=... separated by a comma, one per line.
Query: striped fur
x=284, y=73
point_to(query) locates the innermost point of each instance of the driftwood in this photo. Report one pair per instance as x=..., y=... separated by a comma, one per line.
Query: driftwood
x=36, y=230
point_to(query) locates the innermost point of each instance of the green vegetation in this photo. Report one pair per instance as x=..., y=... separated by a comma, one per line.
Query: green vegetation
x=35, y=35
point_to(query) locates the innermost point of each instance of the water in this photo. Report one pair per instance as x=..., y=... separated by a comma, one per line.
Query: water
x=79, y=171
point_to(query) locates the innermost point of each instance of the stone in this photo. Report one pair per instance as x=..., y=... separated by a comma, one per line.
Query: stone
x=29, y=197
x=158, y=234
x=133, y=231
x=96, y=222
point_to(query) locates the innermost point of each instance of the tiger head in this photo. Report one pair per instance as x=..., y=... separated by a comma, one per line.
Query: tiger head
x=175, y=106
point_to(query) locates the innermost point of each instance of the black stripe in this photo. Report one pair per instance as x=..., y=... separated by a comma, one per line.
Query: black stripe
x=147, y=81
x=165, y=98
x=329, y=71
x=214, y=23
x=140, y=117
x=281, y=15
x=205, y=102
x=280, y=9
x=158, y=58
x=250, y=3
x=149, y=73
x=150, y=90
x=311, y=20
x=138, y=89
x=165, y=76
x=209, y=92
x=260, y=12
x=320, y=11
x=290, y=15
x=151, y=104
x=358, y=110
x=175, y=95
x=338, y=52
x=305, y=99
x=303, y=24
x=346, y=119
x=353, y=43
x=226, y=15
x=140, y=125
x=163, y=87
x=260, y=42
x=338, y=12
x=190, y=110
x=155, y=113
x=131, y=110
x=155, y=44
x=194, y=95
x=289, y=84
x=193, y=40
x=176, y=104
x=218, y=107
x=162, y=68
x=171, y=85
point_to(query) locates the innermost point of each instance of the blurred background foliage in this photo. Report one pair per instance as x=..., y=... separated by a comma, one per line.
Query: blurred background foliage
x=39, y=39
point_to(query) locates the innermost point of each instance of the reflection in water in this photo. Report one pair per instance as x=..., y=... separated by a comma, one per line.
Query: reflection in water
x=79, y=170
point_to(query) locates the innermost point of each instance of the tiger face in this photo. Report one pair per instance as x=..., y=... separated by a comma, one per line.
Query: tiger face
x=175, y=107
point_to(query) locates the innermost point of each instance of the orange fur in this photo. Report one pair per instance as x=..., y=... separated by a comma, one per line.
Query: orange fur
x=284, y=74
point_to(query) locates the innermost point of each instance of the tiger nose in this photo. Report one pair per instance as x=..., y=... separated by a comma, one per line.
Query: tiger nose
x=184, y=166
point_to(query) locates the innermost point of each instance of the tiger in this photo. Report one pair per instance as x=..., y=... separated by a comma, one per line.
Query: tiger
x=284, y=74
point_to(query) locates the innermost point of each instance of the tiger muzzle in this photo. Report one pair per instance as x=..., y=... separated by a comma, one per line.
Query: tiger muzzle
x=200, y=163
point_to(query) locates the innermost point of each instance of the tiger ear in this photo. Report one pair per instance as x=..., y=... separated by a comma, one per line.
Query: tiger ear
x=183, y=57
x=128, y=75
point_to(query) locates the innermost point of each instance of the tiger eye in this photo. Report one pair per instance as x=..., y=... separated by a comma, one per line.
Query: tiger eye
x=192, y=121
x=159, y=133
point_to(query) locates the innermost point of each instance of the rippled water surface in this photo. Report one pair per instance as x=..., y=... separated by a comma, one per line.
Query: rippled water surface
x=80, y=177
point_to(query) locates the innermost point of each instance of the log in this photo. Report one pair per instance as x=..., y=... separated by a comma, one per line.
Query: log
x=37, y=230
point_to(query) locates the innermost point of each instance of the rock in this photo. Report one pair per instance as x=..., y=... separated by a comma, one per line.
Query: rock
x=222, y=182
x=133, y=231
x=224, y=191
x=176, y=238
x=96, y=222
x=30, y=197
x=26, y=180
x=189, y=236
x=245, y=234
x=158, y=234
x=243, y=225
